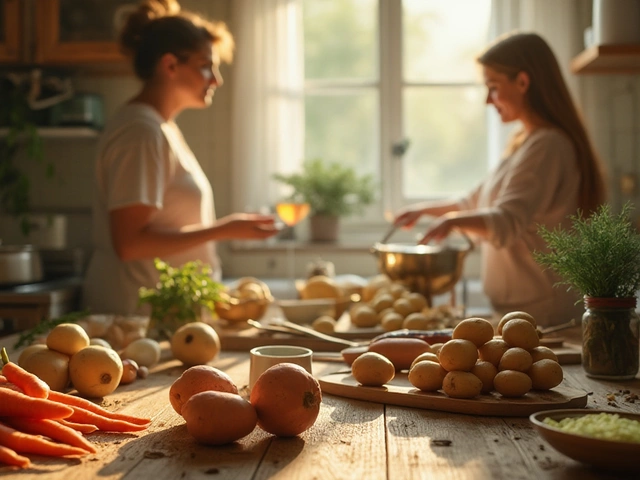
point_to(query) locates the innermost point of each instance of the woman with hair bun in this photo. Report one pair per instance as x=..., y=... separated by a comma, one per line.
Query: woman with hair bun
x=549, y=172
x=152, y=198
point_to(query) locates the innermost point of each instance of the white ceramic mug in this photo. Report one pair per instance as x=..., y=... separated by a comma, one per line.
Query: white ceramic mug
x=267, y=356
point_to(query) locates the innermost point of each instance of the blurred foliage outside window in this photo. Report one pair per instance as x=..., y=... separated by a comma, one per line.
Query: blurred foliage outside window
x=438, y=100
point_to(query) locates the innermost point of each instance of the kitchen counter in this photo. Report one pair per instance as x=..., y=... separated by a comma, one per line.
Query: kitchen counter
x=351, y=439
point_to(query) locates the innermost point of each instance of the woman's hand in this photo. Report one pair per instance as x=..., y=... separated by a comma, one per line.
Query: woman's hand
x=408, y=217
x=439, y=230
x=246, y=226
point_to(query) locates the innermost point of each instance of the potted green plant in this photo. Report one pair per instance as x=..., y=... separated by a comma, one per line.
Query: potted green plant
x=600, y=258
x=332, y=190
x=183, y=294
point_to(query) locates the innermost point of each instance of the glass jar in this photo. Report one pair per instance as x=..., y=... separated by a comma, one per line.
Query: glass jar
x=610, y=333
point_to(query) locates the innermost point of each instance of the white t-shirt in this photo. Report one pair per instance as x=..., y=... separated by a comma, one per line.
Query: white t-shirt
x=143, y=159
x=537, y=185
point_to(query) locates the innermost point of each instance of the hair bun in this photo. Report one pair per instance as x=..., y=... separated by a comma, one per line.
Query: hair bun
x=148, y=11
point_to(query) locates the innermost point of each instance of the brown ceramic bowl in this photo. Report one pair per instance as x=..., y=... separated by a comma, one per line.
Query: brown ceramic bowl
x=598, y=452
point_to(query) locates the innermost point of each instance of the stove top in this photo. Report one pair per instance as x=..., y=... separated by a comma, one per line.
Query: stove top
x=48, y=284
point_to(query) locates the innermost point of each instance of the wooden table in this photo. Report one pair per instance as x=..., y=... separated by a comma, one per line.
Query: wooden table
x=350, y=440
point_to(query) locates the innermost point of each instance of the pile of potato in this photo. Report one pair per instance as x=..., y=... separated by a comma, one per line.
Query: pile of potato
x=474, y=361
x=392, y=306
x=70, y=357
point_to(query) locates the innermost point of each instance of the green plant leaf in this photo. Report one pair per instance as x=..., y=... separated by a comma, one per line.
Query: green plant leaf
x=599, y=256
x=330, y=188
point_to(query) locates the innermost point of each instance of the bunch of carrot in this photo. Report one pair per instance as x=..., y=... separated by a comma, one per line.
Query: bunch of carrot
x=35, y=419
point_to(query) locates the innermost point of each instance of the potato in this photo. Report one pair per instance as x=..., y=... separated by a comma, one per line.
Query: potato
x=324, y=324
x=372, y=369
x=513, y=315
x=144, y=351
x=458, y=354
x=459, y=384
x=541, y=352
x=95, y=371
x=425, y=356
x=67, y=338
x=401, y=351
x=195, y=343
x=402, y=306
x=427, y=375
x=364, y=316
x=515, y=358
x=520, y=333
x=50, y=366
x=545, y=374
x=382, y=302
x=493, y=350
x=28, y=351
x=417, y=321
x=391, y=321
x=435, y=347
x=486, y=372
x=217, y=418
x=476, y=330
x=510, y=383
x=417, y=300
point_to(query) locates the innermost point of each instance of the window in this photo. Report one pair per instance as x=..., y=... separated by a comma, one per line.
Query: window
x=392, y=89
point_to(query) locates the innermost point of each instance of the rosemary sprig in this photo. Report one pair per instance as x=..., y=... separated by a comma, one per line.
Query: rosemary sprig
x=599, y=256
x=45, y=326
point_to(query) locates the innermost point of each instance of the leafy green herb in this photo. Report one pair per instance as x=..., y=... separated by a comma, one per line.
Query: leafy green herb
x=330, y=188
x=599, y=256
x=45, y=326
x=180, y=294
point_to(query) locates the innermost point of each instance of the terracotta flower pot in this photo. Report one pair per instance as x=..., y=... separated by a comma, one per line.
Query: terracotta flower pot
x=324, y=228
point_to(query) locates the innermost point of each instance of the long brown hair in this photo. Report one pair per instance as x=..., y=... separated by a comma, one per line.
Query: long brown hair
x=549, y=98
x=158, y=27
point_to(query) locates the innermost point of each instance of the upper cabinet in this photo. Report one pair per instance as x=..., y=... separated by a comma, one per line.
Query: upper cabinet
x=622, y=59
x=10, y=31
x=79, y=31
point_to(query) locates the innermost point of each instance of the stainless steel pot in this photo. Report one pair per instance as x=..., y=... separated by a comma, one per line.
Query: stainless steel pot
x=19, y=264
x=427, y=269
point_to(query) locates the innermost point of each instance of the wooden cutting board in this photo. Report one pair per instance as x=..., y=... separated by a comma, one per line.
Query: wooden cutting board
x=400, y=392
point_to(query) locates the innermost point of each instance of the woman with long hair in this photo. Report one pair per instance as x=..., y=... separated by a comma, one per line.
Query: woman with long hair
x=152, y=198
x=549, y=172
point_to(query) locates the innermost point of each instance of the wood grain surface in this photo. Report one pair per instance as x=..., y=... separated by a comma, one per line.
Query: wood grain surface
x=351, y=439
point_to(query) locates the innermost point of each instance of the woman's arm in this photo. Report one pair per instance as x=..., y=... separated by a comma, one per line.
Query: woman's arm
x=408, y=216
x=133, y=239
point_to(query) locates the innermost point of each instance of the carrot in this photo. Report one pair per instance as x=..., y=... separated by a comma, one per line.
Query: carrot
x=16, y=404
x=10, y=457
x=27, y=381
x=74, y=401
x=78, y=427
x=25, y=443
x=3, y=379
x=51, y=429
x=11, y=386
x=80, y=415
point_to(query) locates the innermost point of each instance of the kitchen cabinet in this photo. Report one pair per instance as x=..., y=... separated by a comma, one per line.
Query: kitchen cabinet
x=79, y=31
x=10, y=31
x=621, y=59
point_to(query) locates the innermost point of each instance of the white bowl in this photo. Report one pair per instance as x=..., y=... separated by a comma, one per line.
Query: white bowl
x=306, y=311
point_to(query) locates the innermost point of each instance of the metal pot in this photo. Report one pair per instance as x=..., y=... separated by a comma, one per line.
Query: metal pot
x=426, y=269
x=19, y=264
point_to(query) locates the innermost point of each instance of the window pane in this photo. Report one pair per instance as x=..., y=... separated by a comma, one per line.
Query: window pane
x=343, y=128
x=442, y=39
x=340, y=39
x=448, y=152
